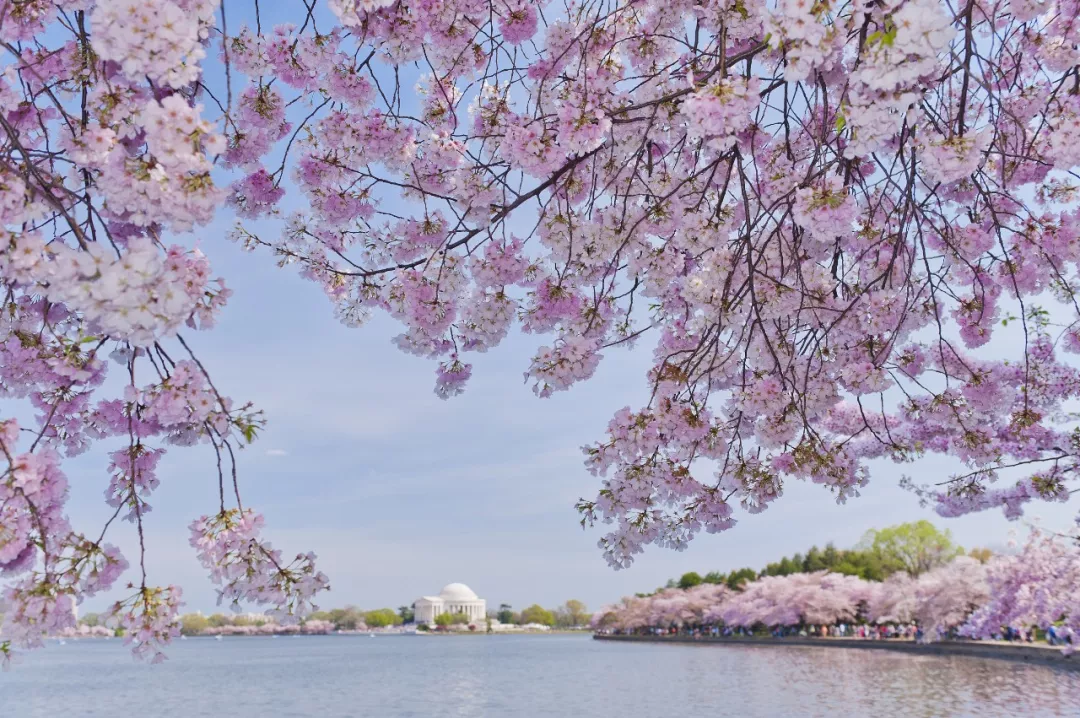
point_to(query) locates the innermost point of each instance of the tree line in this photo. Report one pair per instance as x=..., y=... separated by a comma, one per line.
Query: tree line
x=913, y=548
x=571, y=614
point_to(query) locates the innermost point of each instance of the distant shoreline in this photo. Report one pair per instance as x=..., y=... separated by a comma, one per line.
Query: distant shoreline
x=1042, y=655
x=351, y=634
x=364, y=634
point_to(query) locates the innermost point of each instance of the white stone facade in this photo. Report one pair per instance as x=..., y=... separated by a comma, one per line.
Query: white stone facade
x=454, y=598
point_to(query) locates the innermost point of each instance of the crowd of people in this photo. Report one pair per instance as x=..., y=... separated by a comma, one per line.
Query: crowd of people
x=866, y=631
x=907, y=631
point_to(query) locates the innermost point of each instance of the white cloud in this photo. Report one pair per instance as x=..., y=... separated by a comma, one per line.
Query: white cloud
x=276, y=452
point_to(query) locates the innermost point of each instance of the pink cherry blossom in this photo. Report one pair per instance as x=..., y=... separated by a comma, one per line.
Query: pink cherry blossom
x=846, y=232
x=963, y=596
x=1036, y=586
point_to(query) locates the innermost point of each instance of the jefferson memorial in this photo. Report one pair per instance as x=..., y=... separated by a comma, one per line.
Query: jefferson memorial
x=454, y=598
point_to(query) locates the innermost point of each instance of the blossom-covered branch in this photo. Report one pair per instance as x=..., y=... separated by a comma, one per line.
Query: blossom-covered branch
x=822, y=213
x=846, y=227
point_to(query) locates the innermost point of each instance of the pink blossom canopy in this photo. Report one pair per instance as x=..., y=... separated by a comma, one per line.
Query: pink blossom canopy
x=847, y=229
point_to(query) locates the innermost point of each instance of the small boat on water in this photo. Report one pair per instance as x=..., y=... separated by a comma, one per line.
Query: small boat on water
x=371, y=635
x=217, y=638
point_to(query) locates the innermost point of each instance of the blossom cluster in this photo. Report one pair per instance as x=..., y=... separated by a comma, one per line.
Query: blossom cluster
x=138, y=296
x=160, y=39
x=250, y=569
x=1035, y=586
x=149, y=621
x=717, y=113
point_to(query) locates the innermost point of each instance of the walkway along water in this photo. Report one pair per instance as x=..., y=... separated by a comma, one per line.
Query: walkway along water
x=976, y=649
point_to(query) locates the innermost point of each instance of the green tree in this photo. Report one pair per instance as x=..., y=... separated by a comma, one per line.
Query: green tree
x=848, y=568
x=913, y=547
x=444, y=619
x=382, y=617
x=689, y=580
x=714, y=577
x=505, y=614
x=830, y=556
x=218, y=620
x=192, y=624
x=869, y=564
x=572, y=613
x=982, y=555
x=813, y=561
x=578, y=612
x=346, y=619
x=460, y=619
x=537, y=614
x=736, y=579
x=91, y=620
x=406, y=613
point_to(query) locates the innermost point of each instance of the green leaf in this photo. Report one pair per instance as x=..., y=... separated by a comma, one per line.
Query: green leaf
x=249, y=431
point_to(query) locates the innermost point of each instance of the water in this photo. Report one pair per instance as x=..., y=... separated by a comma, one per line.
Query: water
x=520, y=676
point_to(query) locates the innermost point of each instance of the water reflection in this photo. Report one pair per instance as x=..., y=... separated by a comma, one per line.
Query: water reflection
x=829, y=682
x=522, y=677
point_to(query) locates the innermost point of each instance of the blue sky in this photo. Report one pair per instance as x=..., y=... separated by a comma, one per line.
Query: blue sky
x=399, y=492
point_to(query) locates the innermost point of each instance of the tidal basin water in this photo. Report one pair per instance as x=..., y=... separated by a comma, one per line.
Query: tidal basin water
x=520, y=677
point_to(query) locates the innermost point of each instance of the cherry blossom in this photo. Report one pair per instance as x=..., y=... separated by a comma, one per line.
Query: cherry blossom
x=946, y=596
x=249, y=569
x=159, y=39
x=964, y=597
x=847, y=232
x=1036, y=586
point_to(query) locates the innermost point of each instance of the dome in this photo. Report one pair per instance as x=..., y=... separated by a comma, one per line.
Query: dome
x=457, y=592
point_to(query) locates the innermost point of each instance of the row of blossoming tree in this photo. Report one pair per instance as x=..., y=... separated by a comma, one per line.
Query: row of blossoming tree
x=1037, y=586
x=820, y=214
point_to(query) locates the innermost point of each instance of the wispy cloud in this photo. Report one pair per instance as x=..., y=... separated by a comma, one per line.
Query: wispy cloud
x=276, y=452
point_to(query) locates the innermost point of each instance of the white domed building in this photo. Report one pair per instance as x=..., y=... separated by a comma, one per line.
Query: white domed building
x=454, y=598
